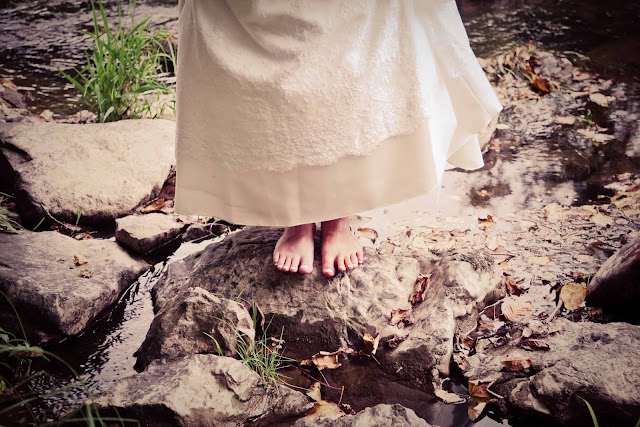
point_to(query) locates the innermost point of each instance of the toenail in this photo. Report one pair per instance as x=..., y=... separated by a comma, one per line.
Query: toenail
x=328, y=270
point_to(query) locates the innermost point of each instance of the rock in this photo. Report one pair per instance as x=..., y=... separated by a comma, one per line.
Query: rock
x=598, y=362
x=105, y=169
x=198, y=231
x=177, y=330
x=202, y=390
x=40, y=277
x=382, y=415
x=318, y=313
x=616, y=285
x=144, y=233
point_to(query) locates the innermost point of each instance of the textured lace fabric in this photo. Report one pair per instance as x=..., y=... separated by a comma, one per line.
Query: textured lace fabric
x=276, y=84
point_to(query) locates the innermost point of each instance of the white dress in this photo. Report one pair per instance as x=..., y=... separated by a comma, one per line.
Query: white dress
x=291, y=112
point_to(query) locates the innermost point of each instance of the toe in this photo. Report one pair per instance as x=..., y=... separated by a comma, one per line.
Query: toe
x=360, y=256
x=295, y=263
x=287, y=264
x=327, y=266
x=276, y=257
x=281, y=262
x=340, y=260
x=354, y=260
x=306, y=266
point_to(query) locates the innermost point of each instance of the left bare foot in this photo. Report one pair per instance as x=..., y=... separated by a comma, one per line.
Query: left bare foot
x=339, y=247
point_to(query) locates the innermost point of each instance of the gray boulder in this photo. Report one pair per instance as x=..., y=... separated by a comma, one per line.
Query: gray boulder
x=382, y=415
x=144, y=233
x=103, y=169
x=201, y=390
x=177, y=330
x=318, y=313
x=616, y=285
x=201, y=231
x=55, y=297
x=597, y=362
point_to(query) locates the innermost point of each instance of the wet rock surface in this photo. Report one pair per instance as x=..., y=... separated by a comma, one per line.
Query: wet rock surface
x=178, y=329
x=318, y=313
x=202, y=390
x=203, y=231
x=597, y=362
x=616, y=286
x=103, y=169
x=377, y=416
x=144, y=233
x=53, y=295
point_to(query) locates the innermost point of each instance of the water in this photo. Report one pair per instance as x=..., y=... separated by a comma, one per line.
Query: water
x=38, y=37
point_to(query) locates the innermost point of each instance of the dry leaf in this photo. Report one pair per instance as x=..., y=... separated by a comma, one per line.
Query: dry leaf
x=540, y=84
x=420, y=289
x=506, y=268
x=314, y=392
x=401, y=318
x=586, y=258
x=370, y=344
x=386, y=248
x=157, y=205
x=86, y=274
x=78, y=260
x=517, y=364
x=554, y=212
x=475, y=408
x=368, y=233
x=326, y=360
x=401, y=239
x=512, y=287
x=396, y=340
x=566, y=120
x=517, y=310
x=599, y=99
x=324, y=410
x=540, y=260
x=601, y=138
x=573, y=294
x=488, y=219
x=448, y=397
x=532, y=344
x=602, y=220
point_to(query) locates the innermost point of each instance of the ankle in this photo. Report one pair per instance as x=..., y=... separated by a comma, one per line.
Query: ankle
x=336, y=225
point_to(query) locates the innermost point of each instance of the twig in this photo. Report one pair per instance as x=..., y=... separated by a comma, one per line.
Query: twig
x=340, y=400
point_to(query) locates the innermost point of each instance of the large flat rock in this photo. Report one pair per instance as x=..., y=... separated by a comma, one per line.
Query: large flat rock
x=103, y=169
x=202, y=390
x=597, y=362
x=55, y=297
x=318, y=313
x=144, y=233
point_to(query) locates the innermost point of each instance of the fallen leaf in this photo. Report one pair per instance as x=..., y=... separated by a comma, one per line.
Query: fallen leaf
x=601, y=138
x=47, y=115
x=324, y=410
x=599, y=99
x=448, y=397
x=581, y=75
x=540, y=260
x=540, y=84
x=517, y=364
x=346, y=350
x=156, y=205
x=326, y=360
x=396, y=340
x=602, y=220
x=488, y=219
x=86, y=274
x=480, y=389
x=368, y=233
x=475, y=408
x=370, y=344
x=506, y=268
x=494, y=144
x=573, y=294
x=314, y=392
x=78, y=260
x=566, y=120
x=420, y=289
x=386, y=248
x=512, y=287
x=554, y=212
x=401, y=318
x=401, y=239
x=532, y=345
x=517, y=310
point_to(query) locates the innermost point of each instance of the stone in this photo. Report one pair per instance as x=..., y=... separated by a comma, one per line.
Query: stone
x=597, y=362
x=178, y=329
x=53, y=296
x=103, y=170
x=201, y=390
x=144, y=233
x=202, y=231
x=382, y=415
x=616, y=285
x=318, y=313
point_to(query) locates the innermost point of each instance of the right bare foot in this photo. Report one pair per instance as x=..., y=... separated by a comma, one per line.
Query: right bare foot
x=294, y=250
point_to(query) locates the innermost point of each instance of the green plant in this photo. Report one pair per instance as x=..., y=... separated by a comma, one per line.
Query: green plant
x=259, y=355
x=125, y=68
x=7, y=224
x=16, y=359
x=593, y=414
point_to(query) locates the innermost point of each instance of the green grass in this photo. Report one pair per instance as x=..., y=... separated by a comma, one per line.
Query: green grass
x=17, y=400
x=257, y=354
x=593, y=414
x=125, y=65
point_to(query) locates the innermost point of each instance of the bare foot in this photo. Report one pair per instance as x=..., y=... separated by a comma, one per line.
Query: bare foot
x=339, y=247
x=294, y=249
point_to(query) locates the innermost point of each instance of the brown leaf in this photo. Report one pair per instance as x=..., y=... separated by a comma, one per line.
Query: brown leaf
x=370, y=344
x=566, y=120
x=573, y=294
x=368, y=233
x=540, y=84
x=326, y=360
x=512, y=287
x=476, y=406
x=401, y=318
x=323, y=410
x=420, y=288
x=156, y=205
x=346, y=350
x=533, y=345
x=396, y=340
x=402, y=239
x=314, y=392
x=78, y=260
x=448, y=397
x=386, y=248
x=481, y=389
x=86, y=274
x=488, y=219
x=517, y=364
x=517, y=310
x=540, y=260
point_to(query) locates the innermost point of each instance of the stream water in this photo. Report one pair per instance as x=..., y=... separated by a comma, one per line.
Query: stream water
x=39, y=36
